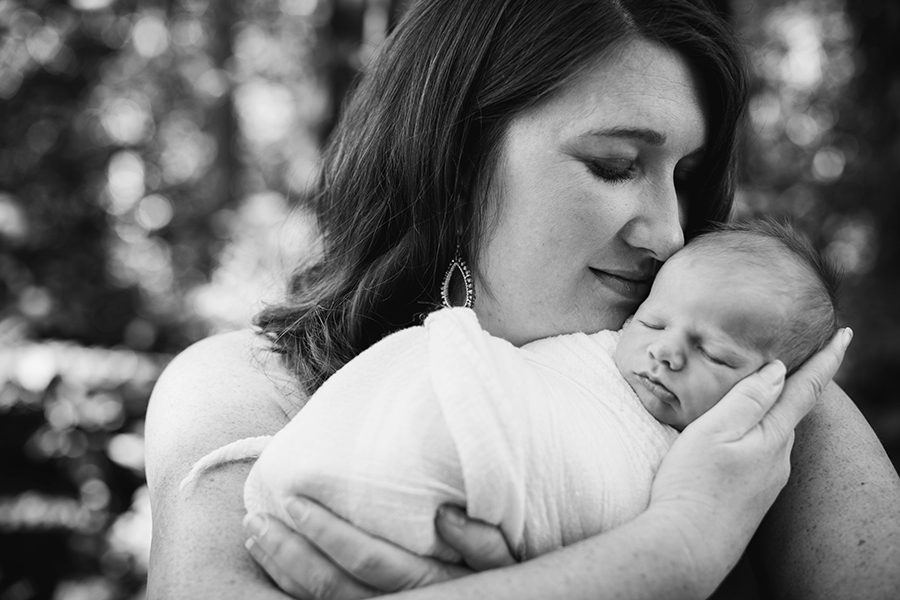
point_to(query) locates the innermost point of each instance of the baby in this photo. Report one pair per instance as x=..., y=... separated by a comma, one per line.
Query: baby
x=557, y=440
x=728, y=303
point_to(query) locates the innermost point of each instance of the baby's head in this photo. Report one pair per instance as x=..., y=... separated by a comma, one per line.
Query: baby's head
x=731, y=301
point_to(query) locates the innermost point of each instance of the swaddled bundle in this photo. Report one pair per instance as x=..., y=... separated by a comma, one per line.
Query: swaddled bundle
x=547, y=441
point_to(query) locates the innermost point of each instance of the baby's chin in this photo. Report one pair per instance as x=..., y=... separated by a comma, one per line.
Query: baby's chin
x=662, y=412
x=668, y=417
x=677, y=425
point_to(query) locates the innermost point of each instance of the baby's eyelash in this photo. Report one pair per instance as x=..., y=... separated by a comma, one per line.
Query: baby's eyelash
x=712, y=358
x=649, y=326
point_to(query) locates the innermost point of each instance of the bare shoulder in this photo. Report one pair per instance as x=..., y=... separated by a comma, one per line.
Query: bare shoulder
x=835, y=529
x=221, y=389
x=836, y=441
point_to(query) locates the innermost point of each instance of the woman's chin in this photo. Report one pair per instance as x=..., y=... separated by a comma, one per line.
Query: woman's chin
x=613, y=317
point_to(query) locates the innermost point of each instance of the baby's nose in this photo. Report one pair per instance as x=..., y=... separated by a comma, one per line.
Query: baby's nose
x=668, y=353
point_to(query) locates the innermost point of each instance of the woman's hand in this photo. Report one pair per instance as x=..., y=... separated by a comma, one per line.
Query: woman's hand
x=729, y=465
x=331, y=559
x=725, y=468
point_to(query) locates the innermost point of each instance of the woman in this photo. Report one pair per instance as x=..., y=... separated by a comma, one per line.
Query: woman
x=565, y=149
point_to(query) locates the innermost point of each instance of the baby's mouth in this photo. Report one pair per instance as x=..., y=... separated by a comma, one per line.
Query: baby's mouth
x=657, y=388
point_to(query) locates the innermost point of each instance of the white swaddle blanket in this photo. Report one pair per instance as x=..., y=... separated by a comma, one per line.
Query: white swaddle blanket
x=547, y=441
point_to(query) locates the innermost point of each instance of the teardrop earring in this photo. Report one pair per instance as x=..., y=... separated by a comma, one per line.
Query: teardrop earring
x=458, y=265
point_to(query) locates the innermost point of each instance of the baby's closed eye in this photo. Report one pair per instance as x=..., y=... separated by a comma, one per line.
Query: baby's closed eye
x=715, y=359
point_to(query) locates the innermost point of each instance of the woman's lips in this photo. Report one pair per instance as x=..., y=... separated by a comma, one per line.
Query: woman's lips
x=634, y=286
x=657, y=389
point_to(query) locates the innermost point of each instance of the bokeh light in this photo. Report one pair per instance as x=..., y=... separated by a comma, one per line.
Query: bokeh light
x=153, y=176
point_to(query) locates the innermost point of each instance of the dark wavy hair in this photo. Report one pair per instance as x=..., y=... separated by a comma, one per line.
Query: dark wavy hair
x=405, y=174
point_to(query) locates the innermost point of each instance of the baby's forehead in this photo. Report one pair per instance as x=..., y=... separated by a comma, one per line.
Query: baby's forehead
x=765, y=264
x=745, y=298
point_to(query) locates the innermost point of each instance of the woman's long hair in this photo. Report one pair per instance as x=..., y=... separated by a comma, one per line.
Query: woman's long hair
x=405, y=174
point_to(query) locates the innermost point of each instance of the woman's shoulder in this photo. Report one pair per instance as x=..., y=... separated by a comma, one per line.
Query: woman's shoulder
x=220, y=389
x=233, y=363
x=217, y=391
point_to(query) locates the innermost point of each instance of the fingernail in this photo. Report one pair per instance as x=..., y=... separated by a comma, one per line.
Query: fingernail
x=846, y=336
x=256, y=524
x=773, y=373
x=249, y=544
x=451, y=515
x=298, y=510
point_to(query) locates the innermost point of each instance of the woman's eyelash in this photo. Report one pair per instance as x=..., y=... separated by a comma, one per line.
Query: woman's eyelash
x=618, y=171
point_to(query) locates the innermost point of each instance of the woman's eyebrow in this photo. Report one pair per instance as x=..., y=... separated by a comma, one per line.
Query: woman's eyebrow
x=649, y=136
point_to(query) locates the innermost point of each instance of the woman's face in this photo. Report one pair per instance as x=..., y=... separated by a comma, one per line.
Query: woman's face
x=585, y=201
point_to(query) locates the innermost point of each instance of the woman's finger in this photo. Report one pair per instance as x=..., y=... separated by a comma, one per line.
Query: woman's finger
x=745, y=405
x=297, y=567
x=482, y=545
x=372, y=561
x=803, y=388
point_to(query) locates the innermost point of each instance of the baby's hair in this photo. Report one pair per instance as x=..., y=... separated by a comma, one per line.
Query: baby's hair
x=765, y=243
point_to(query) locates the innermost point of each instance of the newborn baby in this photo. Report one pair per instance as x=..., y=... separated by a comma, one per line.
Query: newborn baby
x=557, y=440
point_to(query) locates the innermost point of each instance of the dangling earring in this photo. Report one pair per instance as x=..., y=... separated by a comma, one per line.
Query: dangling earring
x=458, y=265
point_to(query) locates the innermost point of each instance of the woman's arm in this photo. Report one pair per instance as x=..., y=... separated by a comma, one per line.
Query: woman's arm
x=215, y=392
x=834, y=531
x=710, y=494
x=650, y=557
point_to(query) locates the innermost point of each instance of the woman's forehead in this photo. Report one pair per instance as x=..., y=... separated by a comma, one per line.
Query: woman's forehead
x=640, y=86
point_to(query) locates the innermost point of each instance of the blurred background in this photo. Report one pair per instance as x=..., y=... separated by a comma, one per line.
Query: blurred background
x=151, y=153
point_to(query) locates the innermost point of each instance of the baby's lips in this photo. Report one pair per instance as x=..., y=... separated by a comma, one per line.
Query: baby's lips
x=658, y=389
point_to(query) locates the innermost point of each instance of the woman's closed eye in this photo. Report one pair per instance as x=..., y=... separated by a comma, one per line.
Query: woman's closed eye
x=613, y=170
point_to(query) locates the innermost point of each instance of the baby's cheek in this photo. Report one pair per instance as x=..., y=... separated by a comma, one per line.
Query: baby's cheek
x=720, y=386
x=621, y=356
x=724, y=386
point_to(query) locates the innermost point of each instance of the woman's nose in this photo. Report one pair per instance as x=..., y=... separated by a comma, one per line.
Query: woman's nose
x=666, y=351
x=658, y=222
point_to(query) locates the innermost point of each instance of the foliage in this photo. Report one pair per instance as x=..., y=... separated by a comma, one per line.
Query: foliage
x=823, y=140
x=150, y=156
x=148, y=152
